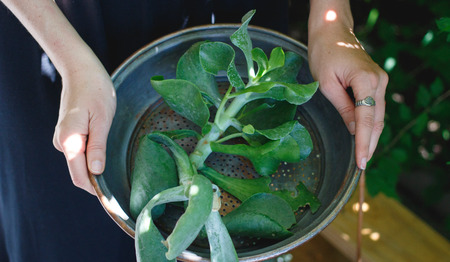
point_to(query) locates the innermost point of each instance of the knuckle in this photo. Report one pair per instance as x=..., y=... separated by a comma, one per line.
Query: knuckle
x=95, y=146
x=78, y=181
x=367, y=121
x=345, y=110
x=378, y=127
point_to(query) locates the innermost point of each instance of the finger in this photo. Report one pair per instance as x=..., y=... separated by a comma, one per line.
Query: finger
x=339, y=98
x=365, y=118
x=74, y=148
x=380, y=109
x=96, y=145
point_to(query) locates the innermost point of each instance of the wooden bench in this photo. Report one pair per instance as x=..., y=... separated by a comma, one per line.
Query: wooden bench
x=391, y=232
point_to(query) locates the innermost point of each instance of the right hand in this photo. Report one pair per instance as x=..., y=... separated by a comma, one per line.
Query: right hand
x=88, y=104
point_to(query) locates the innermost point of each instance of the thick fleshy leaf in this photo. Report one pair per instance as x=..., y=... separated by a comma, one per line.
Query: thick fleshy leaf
x=240, y=188
x=183, y=97
x=245, y=188
x=184, y=167
x=278, y=132
x=242, y=40
x=261, y=60
x=270, y=205
x=220, y=243
x=154, y=170
x=277, y=58
x=193, y=219
x=266, y=113
x=182, y=133
x=303, y=139
x=261, y=215
x=290, y=142
x=288, y=72
x=148, y=239
x=265, y=158
x=190, y=69
x=304, y=197
x=218, y=56
x=296, y=94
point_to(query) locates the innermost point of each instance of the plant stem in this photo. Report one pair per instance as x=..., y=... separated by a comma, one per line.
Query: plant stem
x=222, y=104
x=221, y=123
x=203, y=148
x=223, y=139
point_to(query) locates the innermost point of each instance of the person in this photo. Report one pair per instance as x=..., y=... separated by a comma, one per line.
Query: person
x=43, y=217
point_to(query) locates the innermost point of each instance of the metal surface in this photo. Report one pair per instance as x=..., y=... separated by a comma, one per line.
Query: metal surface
x=330, y=171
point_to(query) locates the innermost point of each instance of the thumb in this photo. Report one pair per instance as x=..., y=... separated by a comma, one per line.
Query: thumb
x=96, y=146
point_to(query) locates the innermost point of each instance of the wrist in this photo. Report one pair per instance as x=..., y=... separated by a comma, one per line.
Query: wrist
x=329, y=15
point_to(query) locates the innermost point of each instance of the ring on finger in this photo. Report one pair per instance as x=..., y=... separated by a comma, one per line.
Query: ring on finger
x=368, y=101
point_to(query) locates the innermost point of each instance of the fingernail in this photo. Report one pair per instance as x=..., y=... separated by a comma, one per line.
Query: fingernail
x=363, y=163
x=351, y=127
x=96, y=167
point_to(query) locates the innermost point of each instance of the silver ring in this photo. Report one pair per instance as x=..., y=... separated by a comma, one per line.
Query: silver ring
x=368, y=101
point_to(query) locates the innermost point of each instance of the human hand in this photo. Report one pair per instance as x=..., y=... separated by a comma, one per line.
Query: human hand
x=88, y=103
x=338, y=61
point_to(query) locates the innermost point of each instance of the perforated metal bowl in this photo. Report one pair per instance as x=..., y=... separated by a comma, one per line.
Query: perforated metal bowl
x=330, y=171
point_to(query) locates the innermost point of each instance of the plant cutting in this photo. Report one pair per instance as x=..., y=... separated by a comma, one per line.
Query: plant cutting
x=228, y=123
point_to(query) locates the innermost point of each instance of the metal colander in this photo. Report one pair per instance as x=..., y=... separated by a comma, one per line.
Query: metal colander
x=329, y=172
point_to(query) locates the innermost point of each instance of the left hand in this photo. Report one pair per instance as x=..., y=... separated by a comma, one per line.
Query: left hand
x=338, y=61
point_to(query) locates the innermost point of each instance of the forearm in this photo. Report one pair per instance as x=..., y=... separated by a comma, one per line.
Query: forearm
x=54, y=33
x=329, y=15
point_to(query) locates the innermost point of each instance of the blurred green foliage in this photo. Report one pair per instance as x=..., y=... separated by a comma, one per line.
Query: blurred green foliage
x=410, y=40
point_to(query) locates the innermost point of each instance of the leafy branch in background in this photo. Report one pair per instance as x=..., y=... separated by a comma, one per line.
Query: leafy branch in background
x=414, y=147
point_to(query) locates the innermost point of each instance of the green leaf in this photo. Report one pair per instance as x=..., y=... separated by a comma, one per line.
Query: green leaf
x=288, y=72
x=291, y=143
x=278, y=132
x=270, y=205
x=183, y=97
x=255, y=225
x=437, y=87
x=303, y=138
x=245, y=188
x=193, y=219
x=220, y=244
x=148, y=239
x=383, y=178
x=240, y=188
x=423, y=97
x=154, y=170
x=262, y=215
x=443, y=24
x=218, y=56
x=404, y=112
x=181, y=133
x=242, y=40
x=296, y=94
x=261, y=60
x=421, y=124
x=267, y=113
x=399, y=154
x=262, y=157
x=190, y=69
x=248, y=129
x=184, y=166
x=277, y=58
x=304, y=197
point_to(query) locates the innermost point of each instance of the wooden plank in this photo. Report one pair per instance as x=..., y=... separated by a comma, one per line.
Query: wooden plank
x=391, y=232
